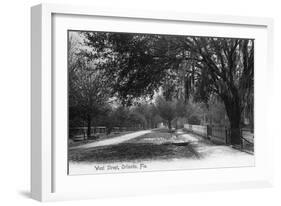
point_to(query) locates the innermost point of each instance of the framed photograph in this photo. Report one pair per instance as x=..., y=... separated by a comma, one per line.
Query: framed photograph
x=137, y=102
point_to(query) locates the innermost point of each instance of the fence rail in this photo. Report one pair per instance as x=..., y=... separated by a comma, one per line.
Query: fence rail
x=80, y=133
x=200, y=129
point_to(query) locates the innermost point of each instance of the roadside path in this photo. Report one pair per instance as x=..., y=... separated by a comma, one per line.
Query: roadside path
x=113, y=140
x=222, y=155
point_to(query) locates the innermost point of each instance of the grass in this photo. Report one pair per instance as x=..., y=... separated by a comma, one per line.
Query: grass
x=154, y=137
x=132, y=152
x=166, y=130
x=157, y=145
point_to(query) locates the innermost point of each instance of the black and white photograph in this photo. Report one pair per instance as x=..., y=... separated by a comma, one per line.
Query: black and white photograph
x=142, y=102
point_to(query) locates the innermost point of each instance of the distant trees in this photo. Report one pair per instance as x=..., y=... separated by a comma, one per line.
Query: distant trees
x=166, y=109
x=134, y=117
x=137, y=120
x=173, y=110
x=149, y=111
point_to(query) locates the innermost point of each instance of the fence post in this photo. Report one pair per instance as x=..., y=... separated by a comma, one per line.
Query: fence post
x=209, y=131
x=226, y=136
x=241, y=139
x=84, y=132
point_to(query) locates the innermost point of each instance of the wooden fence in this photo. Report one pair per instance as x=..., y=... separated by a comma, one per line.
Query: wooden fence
x=217, y=134
x=197, y=129
x=221, y=135
x=80, y=133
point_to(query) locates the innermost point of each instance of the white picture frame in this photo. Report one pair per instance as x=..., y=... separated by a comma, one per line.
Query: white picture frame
x=50, y=182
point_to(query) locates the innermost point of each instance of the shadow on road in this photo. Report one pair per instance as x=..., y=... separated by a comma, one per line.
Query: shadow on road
x=133, y=152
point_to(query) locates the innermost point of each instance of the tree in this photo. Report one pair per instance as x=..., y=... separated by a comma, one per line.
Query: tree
x=137, y=64
x=137, y=120
x=225, y=68
x=149, y=112
x=88, y=86
x=166, y=109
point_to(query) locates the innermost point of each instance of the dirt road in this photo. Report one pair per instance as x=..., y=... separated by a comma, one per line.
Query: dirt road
x=111, y=141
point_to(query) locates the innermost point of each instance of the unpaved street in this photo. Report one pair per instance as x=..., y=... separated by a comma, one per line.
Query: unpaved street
x=111, y=141
x=158, y=151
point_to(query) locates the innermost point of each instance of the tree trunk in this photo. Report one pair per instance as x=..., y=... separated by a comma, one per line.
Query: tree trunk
x=252, y=119
x=233, y=110
x=89, y=124
x=170, y=125
x=235, y=130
